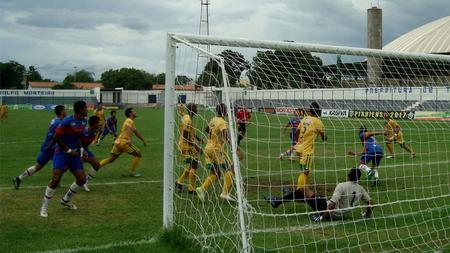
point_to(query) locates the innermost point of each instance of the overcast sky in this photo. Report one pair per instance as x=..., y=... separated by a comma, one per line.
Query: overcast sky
x=55, y=35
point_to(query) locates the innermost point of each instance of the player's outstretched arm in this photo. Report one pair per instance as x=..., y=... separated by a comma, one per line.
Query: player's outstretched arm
x=136, y=132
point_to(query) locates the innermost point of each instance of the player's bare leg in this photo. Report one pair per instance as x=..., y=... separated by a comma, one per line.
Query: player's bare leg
x=92, y=172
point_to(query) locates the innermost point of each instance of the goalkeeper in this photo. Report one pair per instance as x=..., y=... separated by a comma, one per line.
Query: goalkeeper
x=345, y=197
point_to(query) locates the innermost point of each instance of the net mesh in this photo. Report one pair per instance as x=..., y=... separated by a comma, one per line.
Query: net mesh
x=276, y=83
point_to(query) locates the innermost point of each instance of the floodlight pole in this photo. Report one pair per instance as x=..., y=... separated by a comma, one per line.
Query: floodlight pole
x=169, y=125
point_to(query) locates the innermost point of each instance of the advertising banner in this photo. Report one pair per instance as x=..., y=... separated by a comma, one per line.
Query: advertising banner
x=335, y=113
x=379, y=114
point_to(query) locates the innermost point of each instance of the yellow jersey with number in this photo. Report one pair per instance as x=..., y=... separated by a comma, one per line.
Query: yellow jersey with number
x=101, y=115
x=126, y=132
x=215, y=138
x=308, y=129
x=186, y=126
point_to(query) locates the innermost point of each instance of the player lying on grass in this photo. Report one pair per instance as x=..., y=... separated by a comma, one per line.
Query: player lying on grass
x=372, y=153
x=346, y=196
x=216, y=155
x=293, y=125
x=393, y=133
x=123, y=144
x=47, y=148
x=189, y=150
x=109, y=128
x=67, y=156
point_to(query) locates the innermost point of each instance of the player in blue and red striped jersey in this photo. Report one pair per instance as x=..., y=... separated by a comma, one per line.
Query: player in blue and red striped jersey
x=372, y=153
x=293, y=124
x=67, y=156
x=47, y=148
x=110, y=127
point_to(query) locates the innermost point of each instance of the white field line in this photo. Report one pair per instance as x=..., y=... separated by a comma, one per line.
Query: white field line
x=109, y=183
x=101, y=247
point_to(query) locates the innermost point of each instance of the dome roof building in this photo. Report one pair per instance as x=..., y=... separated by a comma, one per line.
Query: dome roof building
x=433, y=37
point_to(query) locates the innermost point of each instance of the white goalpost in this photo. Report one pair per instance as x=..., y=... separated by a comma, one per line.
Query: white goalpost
x=400, y=101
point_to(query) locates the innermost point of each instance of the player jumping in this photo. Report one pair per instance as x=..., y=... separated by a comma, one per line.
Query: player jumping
x=47, y=148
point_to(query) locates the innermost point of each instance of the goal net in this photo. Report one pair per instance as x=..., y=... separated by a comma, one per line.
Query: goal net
x=384, y=113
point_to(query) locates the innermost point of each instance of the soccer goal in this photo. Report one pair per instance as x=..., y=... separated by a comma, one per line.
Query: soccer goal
x=384, y=113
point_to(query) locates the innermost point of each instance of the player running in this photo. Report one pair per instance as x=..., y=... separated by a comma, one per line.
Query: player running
x=309, y=128
x=123, y=143
x=216, y=155
x=100, y=113
x=4, y=112
x=189, y=149
x=67, y=156
x=393, y=133
x=372, y=153
x=293, y=124
x=110, y=127
x=47, y=148
x=242, y=116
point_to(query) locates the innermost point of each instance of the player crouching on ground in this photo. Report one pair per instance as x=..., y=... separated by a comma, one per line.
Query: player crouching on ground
x=345, y=197
x=189, y=149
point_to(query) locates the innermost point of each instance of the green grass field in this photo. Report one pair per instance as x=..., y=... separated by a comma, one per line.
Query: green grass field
x=123, y=214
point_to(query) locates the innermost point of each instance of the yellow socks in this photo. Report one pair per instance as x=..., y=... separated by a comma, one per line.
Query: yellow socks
x=390, y=148
x=192, y=178
x=302, y=180
x=208, y=182
x=134, y=163
x=227, y=182
x=105, y=162
x=183, y=176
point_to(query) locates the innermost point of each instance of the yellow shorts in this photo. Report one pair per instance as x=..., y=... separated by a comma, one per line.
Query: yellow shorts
x=4, y=115
x=305, y=161
x=120, y=148
x=189, y=153
x=216, y=156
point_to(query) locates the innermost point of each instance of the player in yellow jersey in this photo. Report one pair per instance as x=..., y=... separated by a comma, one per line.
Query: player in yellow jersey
x=4, y=112
x=100, y=113
x=309, y=128
x=123, y=143
x=216, y=155
x=181, y=109
x=189, y=149
x=393, y=133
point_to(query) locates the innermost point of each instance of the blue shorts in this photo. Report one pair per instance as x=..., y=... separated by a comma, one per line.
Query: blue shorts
x=89, y=153
x=375, y=158
x=45, y=156
x=61, y=161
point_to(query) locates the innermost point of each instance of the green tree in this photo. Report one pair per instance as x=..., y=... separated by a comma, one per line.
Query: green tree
x=12, y=75
x=80, y=76
x=33, y=74
x=235, y=64
x=282, y=69
x=182, y=80
x=128, y=78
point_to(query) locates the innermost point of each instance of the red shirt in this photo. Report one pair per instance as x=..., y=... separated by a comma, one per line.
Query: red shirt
x=242, y=115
